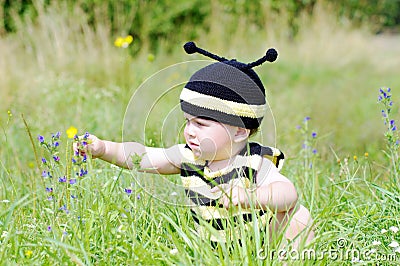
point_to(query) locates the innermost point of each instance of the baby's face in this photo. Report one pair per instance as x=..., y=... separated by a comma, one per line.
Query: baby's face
x=208, y=139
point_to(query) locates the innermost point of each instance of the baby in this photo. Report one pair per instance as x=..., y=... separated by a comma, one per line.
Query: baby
x=225, y=176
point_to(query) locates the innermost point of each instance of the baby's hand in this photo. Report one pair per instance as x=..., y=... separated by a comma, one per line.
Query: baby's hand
x=93, y=146
x=233, y=194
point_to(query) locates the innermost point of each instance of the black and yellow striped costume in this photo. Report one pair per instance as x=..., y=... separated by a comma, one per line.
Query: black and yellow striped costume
x=198, y=182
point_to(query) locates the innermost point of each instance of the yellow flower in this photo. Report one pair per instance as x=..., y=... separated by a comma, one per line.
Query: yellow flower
x=31, y=165
x=28, y=253
x=366, y=155
x=9, y=113
x=71, y=132
x=355, y=158
x=123, y=42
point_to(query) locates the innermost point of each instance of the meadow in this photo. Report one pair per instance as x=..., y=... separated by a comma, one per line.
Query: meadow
x=332, y=114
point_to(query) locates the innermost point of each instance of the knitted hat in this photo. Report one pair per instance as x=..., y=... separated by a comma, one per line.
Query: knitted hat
x=228, y=91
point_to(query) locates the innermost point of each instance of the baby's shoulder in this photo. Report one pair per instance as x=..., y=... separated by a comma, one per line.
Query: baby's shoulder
x=272, y=154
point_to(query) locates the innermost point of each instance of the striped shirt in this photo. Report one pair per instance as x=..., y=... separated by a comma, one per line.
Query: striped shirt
x=211, y=220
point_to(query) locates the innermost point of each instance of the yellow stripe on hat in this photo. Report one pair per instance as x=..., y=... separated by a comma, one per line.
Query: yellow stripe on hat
x=225, y=106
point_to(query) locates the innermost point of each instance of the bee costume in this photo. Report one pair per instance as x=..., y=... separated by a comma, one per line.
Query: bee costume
x=229, y=92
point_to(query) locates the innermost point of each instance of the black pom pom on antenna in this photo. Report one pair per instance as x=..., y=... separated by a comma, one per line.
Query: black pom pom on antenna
x=190, y=47
x=271, y=55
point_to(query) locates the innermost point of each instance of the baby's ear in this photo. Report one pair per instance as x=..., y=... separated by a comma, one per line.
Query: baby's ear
x=241, y=134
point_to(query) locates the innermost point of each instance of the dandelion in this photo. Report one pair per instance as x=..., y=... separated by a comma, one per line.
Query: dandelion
x=28, y=253
x=71, y=132
x=355, y=157
x=394, y=229
x=366, y=155
x=394, y=244
x=123, y=42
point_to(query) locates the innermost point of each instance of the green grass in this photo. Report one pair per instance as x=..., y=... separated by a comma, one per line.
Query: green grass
x=63, y=73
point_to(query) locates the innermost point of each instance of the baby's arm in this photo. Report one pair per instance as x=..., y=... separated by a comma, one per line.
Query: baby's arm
x=126, y=154
x=274, y=191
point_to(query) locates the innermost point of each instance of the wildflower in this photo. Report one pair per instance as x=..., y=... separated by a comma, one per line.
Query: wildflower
x=49, y=228
x=62, y=179
x=86, y=136
x=4, y=234
x=73, y=161
x=56, y=158
x=28, y=253
x=72, y=181
x=314, y=151
x=83, y=172
x=128, y=191
x=376, y=243
x=71, y=132
x=138, y=197
x=44, y=161
x=173, y=251
x=56, y=144
x=49, y=189
x=50, y=198
x=355, y=157
x=366, y=155
x=123, y=42
x=150, y=57
x=307, y=118
x=41, y=139
x=394, y=229
x=45, y=173
x=9, y=113
x=31, y=164
x=394, y=244
x=314, y=135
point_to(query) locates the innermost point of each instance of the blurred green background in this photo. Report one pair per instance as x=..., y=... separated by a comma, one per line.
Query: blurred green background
x=59, y=65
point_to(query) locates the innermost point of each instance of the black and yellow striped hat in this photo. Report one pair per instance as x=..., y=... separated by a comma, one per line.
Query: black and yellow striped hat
x=227, y=91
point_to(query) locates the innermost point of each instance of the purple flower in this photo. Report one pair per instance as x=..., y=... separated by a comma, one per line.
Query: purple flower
x=62, y=179
x=72, y=181
x=83, y=172
x=44, y=160
x=50, y=198
x=84, y=158
x=128, y=191
x=73, y=161
x=45, y=173
x=314, y=134
x=49, y=189
x=86, y=135
x=56, y=158
x=49, y=228
x=138, y=196
x=307, y=118
x=314, y=151
x=56, y=144
x=41, y=139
